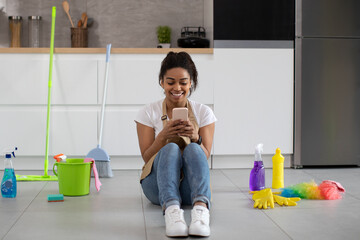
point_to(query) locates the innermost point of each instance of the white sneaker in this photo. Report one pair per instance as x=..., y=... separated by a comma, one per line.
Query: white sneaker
x=200, y=220
x=175, y=222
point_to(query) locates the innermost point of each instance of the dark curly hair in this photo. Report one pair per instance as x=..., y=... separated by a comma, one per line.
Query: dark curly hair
x=182, y=60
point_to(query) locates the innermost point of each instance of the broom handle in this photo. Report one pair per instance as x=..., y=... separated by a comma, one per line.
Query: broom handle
x=108, y=49
x=49, y=91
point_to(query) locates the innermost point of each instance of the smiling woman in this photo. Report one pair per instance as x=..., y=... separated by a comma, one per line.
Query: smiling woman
x=176, y=84
x=175, y=152
x=179, y=60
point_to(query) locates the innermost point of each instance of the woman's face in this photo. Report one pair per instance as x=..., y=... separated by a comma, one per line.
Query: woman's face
x=176, y=83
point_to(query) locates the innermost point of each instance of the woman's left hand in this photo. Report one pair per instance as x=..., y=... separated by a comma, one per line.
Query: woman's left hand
x=189, y=131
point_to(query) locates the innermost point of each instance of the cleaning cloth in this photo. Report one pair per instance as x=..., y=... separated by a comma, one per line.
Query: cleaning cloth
x=96, y=175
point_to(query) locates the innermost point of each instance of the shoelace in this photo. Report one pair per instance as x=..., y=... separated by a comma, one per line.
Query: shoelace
x=175, y=215
x=198, y=216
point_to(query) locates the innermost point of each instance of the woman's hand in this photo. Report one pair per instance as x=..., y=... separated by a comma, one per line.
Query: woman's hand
x=149, y=145
x=173, y=129
x=188, y=130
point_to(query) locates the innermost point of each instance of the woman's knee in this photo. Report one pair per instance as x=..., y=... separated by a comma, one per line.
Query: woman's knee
x=169, y=154
x=193, y=147
x=171, y=147
x=194, y=150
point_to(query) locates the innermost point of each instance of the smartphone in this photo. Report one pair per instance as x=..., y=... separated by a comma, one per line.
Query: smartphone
x=180, y=113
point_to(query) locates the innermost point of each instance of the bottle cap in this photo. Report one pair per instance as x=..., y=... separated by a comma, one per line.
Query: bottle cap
x=9, y=152
x=34, y=17
x=15, y=18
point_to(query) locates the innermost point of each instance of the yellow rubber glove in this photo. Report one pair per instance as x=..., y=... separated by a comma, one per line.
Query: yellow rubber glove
x=286, y=201
x=263, y=198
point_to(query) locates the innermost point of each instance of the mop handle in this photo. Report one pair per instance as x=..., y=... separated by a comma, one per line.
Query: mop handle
x=49, y=90
x=108, y=49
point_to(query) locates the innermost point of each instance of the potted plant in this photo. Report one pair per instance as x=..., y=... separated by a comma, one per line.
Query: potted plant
x=164, y=36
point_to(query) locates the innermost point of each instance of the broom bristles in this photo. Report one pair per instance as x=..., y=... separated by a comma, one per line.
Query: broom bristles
x=104, y=169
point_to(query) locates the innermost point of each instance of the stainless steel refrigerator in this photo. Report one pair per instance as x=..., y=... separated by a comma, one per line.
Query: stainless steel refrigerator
x=327, y=83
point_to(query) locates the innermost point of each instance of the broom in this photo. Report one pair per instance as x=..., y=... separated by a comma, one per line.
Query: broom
x=101, y=157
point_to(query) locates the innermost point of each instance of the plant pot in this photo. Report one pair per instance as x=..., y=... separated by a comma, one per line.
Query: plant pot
x=163, y=45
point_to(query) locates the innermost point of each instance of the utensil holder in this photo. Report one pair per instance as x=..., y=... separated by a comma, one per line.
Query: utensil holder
x=79, y=37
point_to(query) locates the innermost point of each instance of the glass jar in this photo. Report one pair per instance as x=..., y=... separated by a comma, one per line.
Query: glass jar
x=34, y=25
x=15, y=25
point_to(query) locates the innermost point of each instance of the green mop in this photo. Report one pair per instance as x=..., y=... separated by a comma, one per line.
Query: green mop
x=45, y=177
x=101, y=157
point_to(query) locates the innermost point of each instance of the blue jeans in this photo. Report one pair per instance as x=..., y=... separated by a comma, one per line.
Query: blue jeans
x=163, y=186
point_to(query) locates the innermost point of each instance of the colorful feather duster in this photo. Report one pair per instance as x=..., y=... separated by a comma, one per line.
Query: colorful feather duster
x=328, y=190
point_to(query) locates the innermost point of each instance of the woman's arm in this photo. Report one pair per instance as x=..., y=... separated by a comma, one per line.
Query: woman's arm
x=207, y=135
x=149, y=145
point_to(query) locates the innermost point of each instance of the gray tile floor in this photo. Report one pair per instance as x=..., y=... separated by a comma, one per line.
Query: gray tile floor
x=120, y=210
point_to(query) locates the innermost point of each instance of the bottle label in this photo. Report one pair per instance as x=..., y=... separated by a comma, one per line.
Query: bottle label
x=8, y=184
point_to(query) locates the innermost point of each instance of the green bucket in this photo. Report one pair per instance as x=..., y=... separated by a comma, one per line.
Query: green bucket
x=73, y=177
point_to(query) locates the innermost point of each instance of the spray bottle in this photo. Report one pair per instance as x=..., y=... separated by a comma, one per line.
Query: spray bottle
x=8, y=183
x=278, y=170
x=257, y=174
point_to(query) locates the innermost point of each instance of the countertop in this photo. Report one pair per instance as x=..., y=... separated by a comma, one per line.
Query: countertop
x=113, y=50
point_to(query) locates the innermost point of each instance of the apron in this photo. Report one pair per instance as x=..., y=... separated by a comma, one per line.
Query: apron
x=181, y=141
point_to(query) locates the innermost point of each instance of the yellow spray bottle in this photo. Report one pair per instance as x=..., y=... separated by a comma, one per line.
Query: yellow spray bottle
x=278, y=170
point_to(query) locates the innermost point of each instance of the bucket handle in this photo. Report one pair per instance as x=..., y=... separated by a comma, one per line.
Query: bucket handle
x=55, y=164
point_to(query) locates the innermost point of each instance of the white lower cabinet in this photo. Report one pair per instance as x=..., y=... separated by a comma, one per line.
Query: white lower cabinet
x=74, y=81
x=119, y=134
x=23, y=80
x=250, y=91
x=25, y=128
x=73, y=131
x=253, y=100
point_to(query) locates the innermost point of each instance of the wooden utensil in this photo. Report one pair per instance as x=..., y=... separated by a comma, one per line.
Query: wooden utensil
x=85, y=22
x=83, y=16
x=67, y=9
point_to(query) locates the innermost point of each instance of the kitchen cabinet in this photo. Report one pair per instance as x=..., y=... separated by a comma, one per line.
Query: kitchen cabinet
x=21, y=82
x=23, y=127
x=25, y=80
x=253, y=95
x=23, y=98
x=250, y=91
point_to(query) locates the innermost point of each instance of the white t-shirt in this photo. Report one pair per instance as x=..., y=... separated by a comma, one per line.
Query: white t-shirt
x=150, y=115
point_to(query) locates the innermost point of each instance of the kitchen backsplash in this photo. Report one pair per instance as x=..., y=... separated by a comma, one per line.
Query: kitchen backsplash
x=124, y=23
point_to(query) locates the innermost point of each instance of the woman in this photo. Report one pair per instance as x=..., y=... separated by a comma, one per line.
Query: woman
x=176, y=151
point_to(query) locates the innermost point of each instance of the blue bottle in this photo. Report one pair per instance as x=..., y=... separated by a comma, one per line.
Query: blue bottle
x=8, y=183
x=257, y=174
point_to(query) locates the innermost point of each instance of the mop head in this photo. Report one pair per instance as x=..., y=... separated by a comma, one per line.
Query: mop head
x=102, y=161
x=327, y=190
